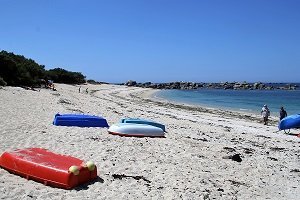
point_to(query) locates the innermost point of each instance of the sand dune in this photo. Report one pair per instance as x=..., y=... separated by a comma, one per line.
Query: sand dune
x=194, y=161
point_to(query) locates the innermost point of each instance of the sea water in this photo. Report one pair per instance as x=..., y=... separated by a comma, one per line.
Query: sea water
x=238, y=100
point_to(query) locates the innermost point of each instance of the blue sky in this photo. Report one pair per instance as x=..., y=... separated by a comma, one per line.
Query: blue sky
x=158, y=40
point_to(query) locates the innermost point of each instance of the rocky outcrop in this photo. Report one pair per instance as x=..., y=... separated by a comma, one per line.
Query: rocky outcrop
x=171, y=85
x=130, y=83
x=223, y=85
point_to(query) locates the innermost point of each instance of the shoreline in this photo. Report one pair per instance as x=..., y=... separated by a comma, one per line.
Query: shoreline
x=247, y=110
x=150, y=96
x=194, y=161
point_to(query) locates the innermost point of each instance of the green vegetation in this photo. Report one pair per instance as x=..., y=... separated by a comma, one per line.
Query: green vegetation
x=16, y=70
x=59, y=75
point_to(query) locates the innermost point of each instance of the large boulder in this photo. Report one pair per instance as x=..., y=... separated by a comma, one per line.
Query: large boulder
x=130, y=83
x=259, y=86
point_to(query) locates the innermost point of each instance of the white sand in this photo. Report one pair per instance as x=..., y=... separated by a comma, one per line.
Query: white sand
x=188, y=164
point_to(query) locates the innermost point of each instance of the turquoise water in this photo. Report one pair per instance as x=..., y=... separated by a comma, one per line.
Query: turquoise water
x=238, y=100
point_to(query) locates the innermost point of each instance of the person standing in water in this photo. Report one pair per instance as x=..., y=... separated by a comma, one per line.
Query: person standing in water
x=265, y=112
x=282, y=113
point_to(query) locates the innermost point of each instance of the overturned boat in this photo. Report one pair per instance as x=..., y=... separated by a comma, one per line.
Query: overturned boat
x=136, y=130
x=52, y=169
x=79, y=120
x=143, y=121
x=289, y=122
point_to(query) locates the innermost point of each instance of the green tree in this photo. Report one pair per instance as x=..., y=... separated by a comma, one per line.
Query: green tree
x=16, y=70
x=59, y=75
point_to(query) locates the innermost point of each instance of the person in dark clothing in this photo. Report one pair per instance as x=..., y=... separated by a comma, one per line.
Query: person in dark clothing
x=282, y=113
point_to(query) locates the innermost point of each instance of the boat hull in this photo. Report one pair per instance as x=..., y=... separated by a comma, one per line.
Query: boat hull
x=143, y=121
x=292, y=121
x=47, y=167
x=136, y=130
x=79, y=120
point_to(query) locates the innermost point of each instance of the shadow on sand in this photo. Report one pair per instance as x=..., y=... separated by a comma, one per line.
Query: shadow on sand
x=86, y=185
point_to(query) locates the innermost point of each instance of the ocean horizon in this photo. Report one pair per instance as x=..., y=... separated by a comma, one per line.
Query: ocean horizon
x=250, y=101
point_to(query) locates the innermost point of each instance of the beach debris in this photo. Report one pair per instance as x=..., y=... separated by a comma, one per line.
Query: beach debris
x=64, y=101
x=275, y=159
x=75, y=110
x=206, y=196
x=277, y=148
x=201, y=139
x=248, y=150
x=198, y=139
x=237, y=183
x=295, y=170
x=257, y=144
x=262, y=136
x=235, y=157
x=116, y=112
x=29, y=88
x=229, y=149
x=94, y=138
x=121, y=176
x=227, y=128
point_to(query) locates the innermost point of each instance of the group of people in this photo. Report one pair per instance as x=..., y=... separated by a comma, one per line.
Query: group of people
x=265, y=112
x=48, y=84
x=86, y=90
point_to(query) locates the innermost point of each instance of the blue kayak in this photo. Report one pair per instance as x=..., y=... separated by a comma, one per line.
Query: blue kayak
x=80, y=120
x=292, y=121
x=143, y=121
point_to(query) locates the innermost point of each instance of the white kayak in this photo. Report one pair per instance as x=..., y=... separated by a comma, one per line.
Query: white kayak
x=136, y=130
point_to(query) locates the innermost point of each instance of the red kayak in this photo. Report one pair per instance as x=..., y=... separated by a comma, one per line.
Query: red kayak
x=49, y=168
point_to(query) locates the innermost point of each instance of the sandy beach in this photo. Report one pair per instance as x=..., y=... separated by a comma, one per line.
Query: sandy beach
x=192, y=162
